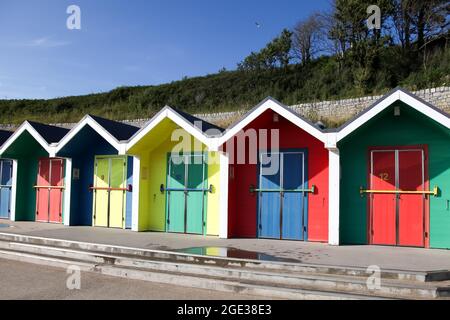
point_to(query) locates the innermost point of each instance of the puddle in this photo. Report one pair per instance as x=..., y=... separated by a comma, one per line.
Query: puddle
x=233, y=253
x=4, y=225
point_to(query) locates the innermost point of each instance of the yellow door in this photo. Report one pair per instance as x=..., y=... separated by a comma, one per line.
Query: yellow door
x=101, y=192
x=117, y=193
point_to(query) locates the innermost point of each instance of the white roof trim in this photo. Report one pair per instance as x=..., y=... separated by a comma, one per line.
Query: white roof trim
x=89, y=121
x=279, y=109
x=26, y=126
x=169, y=113
x=398, y=95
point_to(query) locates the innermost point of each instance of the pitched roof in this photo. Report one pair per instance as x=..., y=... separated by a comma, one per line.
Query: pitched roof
x=397, y=94
x=286, y=112
x=204, y=125
x=119, y=130
x=195, y=126
x=387, y=95
x=4, y=135
x=51, y=134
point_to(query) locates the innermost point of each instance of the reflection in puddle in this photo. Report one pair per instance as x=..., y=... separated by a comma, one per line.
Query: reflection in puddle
x=233, y=253
x=4, y=225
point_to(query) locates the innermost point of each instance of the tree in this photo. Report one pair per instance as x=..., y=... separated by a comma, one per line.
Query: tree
x=402, y=22
x=251, y=62
x=359, y=46
x=277, y=53
x=282, y=47
x=430, y=19
x=308, y=37
x=417, y=21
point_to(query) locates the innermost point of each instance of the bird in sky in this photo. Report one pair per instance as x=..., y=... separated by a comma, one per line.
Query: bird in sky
x=258, y=25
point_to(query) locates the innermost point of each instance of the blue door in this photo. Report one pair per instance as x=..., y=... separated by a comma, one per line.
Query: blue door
x=283, y=195
x=270, y=196
x=294, y=217
x=5, y=188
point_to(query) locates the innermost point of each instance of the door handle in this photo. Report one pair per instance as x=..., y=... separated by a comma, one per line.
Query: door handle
x=433, y=192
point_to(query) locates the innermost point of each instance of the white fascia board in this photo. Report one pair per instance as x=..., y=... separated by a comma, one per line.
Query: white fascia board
x=146, y=129
x=398, y=95
x=122, y=148
x=67, y=192
x=13, y=191
x=135, y=195
x=358, y=122
x=88, y=121
x=331, y=140
x=425, y=109
x=26, y=127
x=282, y=111
x=167, y=112
x=334, y=178
x=190, y=128
x=223, y=195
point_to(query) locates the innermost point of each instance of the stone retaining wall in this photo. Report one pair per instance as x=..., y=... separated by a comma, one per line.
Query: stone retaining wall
x=333, y=111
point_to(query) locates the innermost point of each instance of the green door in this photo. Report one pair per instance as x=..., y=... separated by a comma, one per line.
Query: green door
x=186, y=183
x=195, y=196
x=175, y=194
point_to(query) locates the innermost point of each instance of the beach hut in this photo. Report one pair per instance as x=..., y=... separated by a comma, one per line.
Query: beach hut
x=37, y=192
x=395, y=174
x=5, y=180
x=100, y=184
x=180, y=172
x=278, y=181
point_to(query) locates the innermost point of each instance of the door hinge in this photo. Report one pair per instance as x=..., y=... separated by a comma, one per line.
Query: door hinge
x=426, y=234
x=168, y=221
x=260, y=226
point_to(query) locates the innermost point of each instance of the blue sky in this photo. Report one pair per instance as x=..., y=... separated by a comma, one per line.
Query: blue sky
x=134, y=42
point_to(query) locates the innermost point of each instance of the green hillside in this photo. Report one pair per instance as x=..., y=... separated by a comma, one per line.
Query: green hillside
x=230, y=90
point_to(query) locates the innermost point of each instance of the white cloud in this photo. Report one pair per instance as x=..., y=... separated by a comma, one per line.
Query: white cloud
x=43, y=42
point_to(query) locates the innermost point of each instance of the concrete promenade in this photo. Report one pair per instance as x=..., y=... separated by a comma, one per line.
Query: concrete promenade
x=414, y=259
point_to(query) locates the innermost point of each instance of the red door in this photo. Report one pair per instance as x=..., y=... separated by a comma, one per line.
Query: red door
x=397, y=214
x=411, y=206
x=42, y=190
x=49, y=190
x=383, y=205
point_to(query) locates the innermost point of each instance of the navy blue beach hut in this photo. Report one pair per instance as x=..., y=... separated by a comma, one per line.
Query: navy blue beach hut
x=101, y=174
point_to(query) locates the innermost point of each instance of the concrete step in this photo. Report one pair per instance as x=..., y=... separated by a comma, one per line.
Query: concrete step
x=187, y=280
x=318, y=281
x=410, y=275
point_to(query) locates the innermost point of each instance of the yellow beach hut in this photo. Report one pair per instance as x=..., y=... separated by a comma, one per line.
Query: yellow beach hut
x=183, y=177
